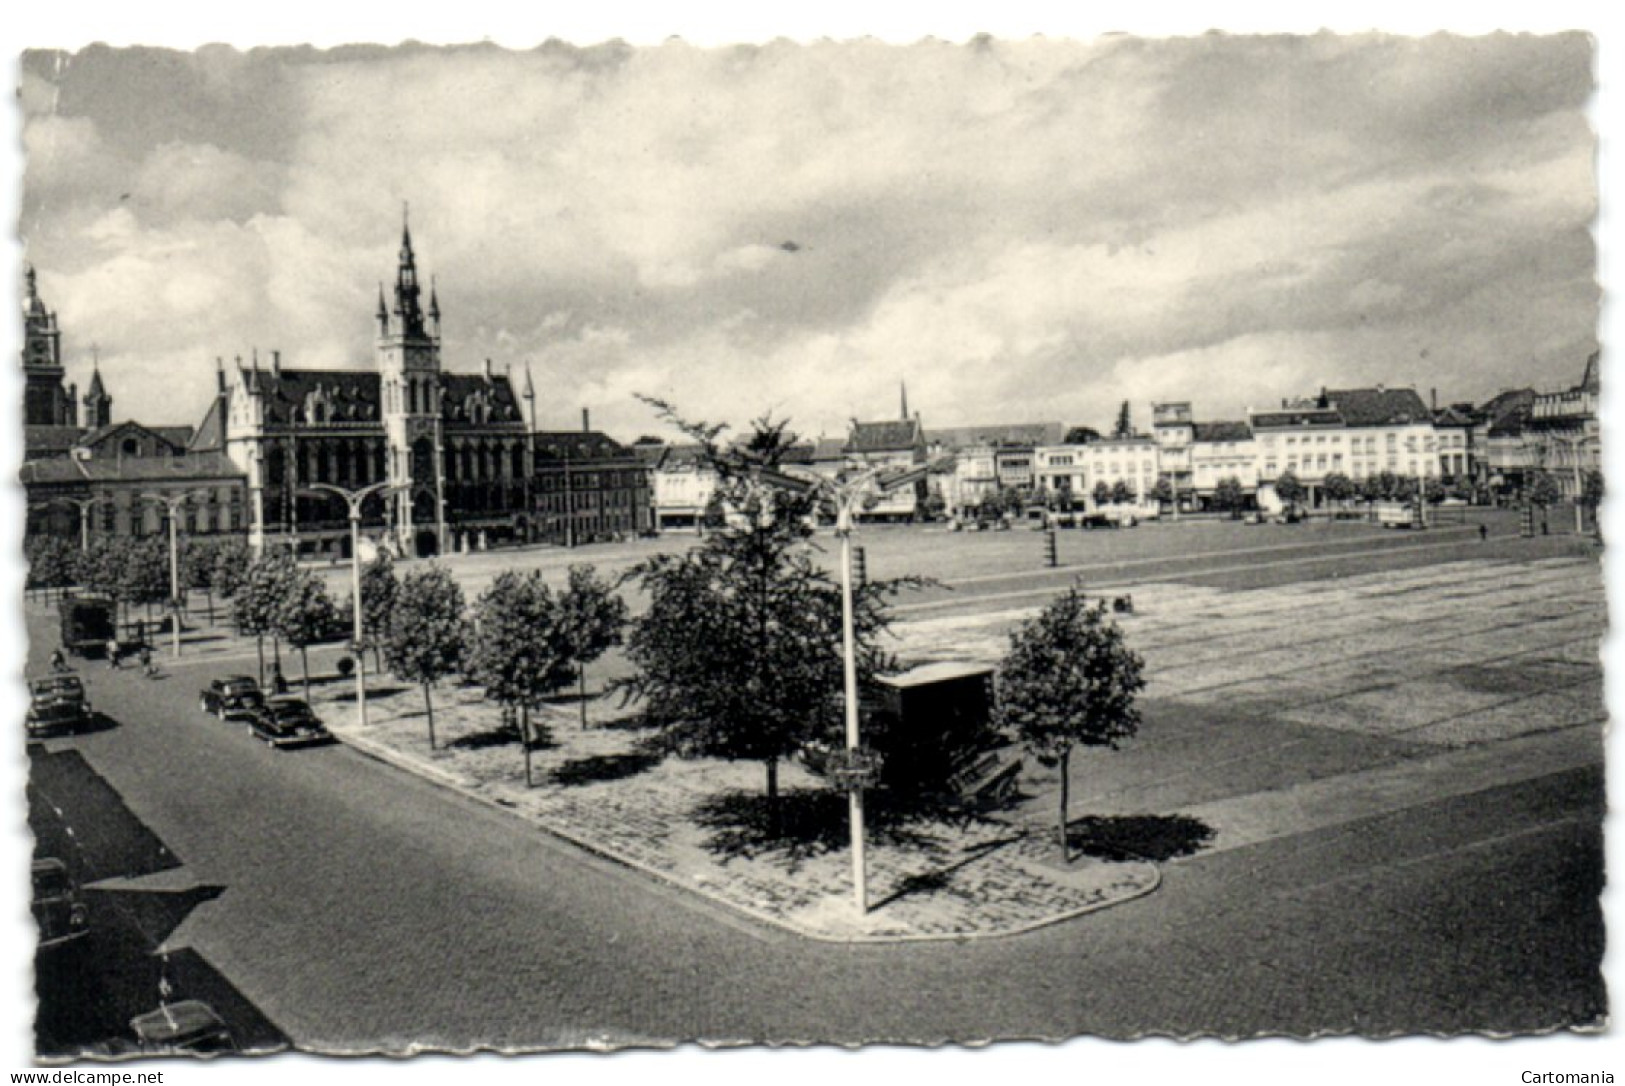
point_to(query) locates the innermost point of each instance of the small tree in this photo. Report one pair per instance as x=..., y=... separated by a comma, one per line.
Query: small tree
x=1228, y=496
x=197, y=564
x=267, y=582
x=1163, y=492
x=520, y=653
x=232, y=557
x=1122, y=493
x=593, y=616
x=1433, y=491
x=1289, y=488
x=143, y=571
x=1069, y=679
x=304, y=615
x=379, y=589
x=1404, y=488
x=1591, y=491
x=1102, y=493
x=426, y=635
x=52, y=562
x=1339, y=487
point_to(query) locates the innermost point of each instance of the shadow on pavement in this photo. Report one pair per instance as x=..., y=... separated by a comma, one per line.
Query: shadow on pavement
x=78, y=818
x=603, y=767
x=1138, y=837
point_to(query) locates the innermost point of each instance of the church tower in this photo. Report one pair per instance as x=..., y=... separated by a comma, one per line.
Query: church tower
x=408, y=350
x=98, y=404
x=45, y=401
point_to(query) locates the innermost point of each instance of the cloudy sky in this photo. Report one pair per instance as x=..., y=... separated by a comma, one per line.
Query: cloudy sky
x=1019, y=231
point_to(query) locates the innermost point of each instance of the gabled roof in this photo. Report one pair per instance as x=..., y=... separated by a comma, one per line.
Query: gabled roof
x=1020, y=433
x=179, y=436
x=39, y=441
x=1221, y=431
x=829, y=449
x=473, y=399
x=353, y=394
x=1509, y=403
x=211, y=432
x=155, y=469
x=1591, y=379
x=107, y=433
x=1452, y=416
x=1379, y=406
x=890, y=436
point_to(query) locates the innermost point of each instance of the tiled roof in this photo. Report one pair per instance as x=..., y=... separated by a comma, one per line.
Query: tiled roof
x=49, y=440
x=885, y=436
x=1021, y=433
x=211, y=432
x=1303, y=417
x=1221, y=431
x=166, y=434
x=1379, y=406
x=200, y=466
x=473, y=399
x=353, y=394
x=574, y=445
x=828, y=449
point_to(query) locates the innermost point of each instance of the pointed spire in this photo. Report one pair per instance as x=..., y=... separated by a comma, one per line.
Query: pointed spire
x=434, y=302
x=97, y=390
x=904, y=387
x=407, y=292
x=530, y=388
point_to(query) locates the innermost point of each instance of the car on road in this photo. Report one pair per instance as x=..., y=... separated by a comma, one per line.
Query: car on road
x=236, y=697
x=189, y=1025
x=288, y=722
x=57, y=704
x=61, y=916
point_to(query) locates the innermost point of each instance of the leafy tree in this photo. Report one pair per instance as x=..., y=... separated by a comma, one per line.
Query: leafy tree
x=1542, y=490
x=267, y=581
x=99, y=567
x=53, y=561
x=1228, y=496
x=232, y=557
x=593, y=616
x=1591, y=489
x=935, y=505
x=1433, y=491
x=379, y=590
x=1059, y=499
x=304, y=615
x=1338, y=487
x=141, y=571
x=1125, y=425
x=1370, y=488
x=425, y=635
x=1405, y=488
x=1122, y=493
x=1289, y=488
x=1163, y=491
x=197, y=566
x=1081, y=435
x=739, y=655
x=520, y=653
x=1069, y=679
x=1102, y=493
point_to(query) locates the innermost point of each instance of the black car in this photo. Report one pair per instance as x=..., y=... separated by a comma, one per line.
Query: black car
x=61, y=916
x=287, y=722
x=235, y=697
x=57, y=704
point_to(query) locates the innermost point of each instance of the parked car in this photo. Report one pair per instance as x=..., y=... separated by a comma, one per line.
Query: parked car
x=189, y=1025
x=57, y=704
x=235, y=697
x=61, y=916
x=288, y=722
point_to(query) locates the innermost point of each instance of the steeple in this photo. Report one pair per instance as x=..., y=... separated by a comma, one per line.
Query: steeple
x=98, y=404
x=383, y=311
x=407, y=291
x=434, y=308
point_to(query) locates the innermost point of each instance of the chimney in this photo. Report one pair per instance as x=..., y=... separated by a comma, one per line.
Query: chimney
x=276, y=365
x=586, y=421
x=219, y=374
x=487, y=369
x=1435, y=395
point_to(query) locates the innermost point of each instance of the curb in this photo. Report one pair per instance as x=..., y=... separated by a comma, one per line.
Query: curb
x=469, y=790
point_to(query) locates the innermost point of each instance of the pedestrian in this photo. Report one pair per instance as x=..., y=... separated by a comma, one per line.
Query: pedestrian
x=58, y=661
x=1483, y=532
x=112, y=653
x=146, y=662
x=279, y=685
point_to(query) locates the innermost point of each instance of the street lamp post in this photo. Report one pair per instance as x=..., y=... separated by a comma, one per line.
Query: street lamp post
x=173, y=504
x=1574, y=444
x=84, y=506
x=354, y=498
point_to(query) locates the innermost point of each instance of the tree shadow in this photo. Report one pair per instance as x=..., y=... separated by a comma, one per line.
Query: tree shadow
x=348, y=696
x=808, y=822
x=500, y=736
x=604, y=767
x=1138, y=837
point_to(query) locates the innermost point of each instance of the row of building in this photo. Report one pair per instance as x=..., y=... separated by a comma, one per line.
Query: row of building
x=461, y=461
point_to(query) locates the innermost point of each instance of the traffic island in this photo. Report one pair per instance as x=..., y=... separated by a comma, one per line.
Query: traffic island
x=705, y=826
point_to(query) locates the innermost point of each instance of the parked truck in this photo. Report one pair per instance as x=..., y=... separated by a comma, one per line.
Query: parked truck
x=88, y=624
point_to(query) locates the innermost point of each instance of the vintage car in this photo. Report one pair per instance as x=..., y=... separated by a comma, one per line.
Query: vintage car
x=61, y=916
x=57, y=704
x=189, y=1025
x=287, y=722
x=236, y=697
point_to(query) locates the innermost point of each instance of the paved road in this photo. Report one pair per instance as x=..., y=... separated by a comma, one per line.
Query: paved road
x=361, y=908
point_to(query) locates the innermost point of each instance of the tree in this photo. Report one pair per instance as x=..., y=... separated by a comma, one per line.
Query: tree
x=52, y=561
x=1433, y=491
x=520, y=653
x=1289, y=488
x=143, y=571
x=379, y=589
x=1069, y=679
x=1081, y=435
x=232, y=557
x=304, y=615
x=1125, y=425
x=1228, y=496
x=197, y=566
x=1163, y=491
x=1102, y=493
x=739, y=655
x=1542, y=490
x=425, y=634
x=1404, y=488
x=593, y=616
x=1122, y=493
x=1338, y=487
x=1591, y=492
x=267, y=580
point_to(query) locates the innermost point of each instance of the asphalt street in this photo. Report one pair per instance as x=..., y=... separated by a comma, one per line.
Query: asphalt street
x=357, y=908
